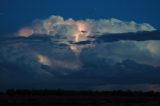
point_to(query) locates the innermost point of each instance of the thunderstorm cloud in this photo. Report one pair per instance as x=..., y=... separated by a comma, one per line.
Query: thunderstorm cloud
x=81, y=54
x=78, y=30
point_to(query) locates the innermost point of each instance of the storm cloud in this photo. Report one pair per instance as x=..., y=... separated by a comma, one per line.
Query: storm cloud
x=81, y=54
x=79, y=30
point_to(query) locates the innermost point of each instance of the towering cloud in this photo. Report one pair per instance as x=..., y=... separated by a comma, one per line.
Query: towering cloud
x=50, y=52
x=79, y=30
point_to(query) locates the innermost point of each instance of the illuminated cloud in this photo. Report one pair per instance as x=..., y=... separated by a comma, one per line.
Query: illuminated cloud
x=117, y=26
x=67, y=52
x=58, y=64
x=26, y=32
x=43, y=59
x=79, y=30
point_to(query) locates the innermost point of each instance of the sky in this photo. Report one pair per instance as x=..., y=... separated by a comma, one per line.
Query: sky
x=87, y=44
x=18, y=13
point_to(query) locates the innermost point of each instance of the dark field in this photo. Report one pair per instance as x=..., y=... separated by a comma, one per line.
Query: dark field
x=78, y=98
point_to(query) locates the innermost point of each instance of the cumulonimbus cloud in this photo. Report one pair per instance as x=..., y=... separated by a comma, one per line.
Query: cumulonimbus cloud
x=67, y=30
x=79, y=30
x=51, y=57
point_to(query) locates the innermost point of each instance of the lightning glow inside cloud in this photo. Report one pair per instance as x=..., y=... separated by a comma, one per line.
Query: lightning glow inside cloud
x=79, y=30
x=67, y=30
x=62, y=58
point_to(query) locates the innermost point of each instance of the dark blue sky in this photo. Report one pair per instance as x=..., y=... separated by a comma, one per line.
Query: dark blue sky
x=17, y=13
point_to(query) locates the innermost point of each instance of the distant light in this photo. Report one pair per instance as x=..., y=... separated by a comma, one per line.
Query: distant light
x=25, y=32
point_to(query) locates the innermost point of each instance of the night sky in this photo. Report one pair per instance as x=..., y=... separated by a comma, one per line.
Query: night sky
x=17, y=13
x=87, y=44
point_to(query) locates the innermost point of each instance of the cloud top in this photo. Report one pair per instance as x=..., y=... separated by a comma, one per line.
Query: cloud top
x=79, y=30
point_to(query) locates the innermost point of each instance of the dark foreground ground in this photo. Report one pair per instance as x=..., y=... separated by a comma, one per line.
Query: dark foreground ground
x=78, y=98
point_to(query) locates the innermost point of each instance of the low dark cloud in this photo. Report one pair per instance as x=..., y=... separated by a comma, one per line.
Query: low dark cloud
x=90, y=76
x=139, y=36
x=45, y=62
